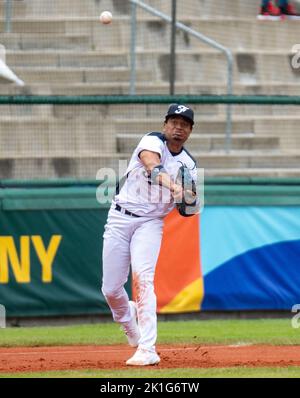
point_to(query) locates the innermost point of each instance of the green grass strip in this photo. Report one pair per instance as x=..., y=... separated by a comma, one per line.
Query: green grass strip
x=268, y=331
x=232, y=372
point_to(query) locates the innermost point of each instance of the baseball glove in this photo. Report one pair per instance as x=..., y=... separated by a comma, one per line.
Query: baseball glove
x=188, y=205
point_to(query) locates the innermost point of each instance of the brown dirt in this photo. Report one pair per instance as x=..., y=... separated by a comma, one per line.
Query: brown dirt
x=27, y=359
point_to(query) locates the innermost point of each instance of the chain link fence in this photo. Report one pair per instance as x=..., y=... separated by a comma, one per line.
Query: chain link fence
x=59, y=47
x=75, y=141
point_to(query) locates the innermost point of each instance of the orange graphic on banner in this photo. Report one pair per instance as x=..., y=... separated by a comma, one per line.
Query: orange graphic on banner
x=178, y=278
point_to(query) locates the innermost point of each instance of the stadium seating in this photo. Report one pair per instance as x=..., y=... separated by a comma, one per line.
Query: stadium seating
x=59, y=47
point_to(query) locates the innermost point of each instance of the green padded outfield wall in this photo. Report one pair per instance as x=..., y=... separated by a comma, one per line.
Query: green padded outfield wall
x=50, y=251
x=51, y=239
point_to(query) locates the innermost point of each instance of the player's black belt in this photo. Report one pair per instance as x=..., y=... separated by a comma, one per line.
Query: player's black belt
x=119, y=208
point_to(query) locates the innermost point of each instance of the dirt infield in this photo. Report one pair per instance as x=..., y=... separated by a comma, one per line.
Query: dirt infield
x=113, y=357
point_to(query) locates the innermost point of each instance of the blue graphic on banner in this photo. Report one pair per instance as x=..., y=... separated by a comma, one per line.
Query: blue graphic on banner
x=250, y=257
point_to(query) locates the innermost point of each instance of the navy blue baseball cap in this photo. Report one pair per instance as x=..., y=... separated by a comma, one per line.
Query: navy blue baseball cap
x=180, y=110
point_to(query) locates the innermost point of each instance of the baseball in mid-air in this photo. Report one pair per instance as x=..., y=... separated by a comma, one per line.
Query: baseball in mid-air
x=106, y=17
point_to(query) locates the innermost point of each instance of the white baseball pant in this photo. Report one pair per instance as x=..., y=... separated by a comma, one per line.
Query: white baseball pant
x=136, y=241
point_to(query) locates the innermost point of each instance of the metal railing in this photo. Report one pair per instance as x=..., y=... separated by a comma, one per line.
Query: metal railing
x=148, y=99
x=8, y=14
x=192, y=32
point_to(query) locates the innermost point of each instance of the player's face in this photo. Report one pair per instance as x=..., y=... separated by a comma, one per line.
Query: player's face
x=177, y=129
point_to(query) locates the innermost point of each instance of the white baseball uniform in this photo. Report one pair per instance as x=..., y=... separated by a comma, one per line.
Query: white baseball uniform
x=135, y=238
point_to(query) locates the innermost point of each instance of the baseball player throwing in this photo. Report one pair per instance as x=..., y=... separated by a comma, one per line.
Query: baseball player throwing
x=133, y=232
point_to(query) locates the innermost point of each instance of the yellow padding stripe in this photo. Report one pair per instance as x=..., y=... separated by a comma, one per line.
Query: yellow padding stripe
x=189, y=299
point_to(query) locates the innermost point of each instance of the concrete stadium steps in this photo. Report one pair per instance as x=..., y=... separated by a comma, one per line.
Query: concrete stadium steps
x=72, y=132
x=192, y=65
x=241, y=34
x=242, y=162
x=205, y=8
x=42, y=8
x=67, y=58
x=46, y=41
x=151, y=31
x=78, y=75
x=208, y=142
x=58, y=25
x=234, y=33
x=204, y=66
x=280, y=127
x=208, y=8
x=58, y=8
x=252, y=34
x=203, y=126
x=285, y=128
x=9, y=112
x=38, y=137
x=42, y=167
x=193, y=88
x=202, y=112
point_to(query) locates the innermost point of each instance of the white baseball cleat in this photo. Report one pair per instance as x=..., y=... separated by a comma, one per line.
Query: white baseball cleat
x=131, y=328
x=143, y=357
